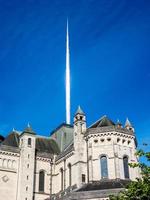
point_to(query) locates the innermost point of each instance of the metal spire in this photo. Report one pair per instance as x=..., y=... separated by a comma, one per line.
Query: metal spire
x=67, y=77
x=28, y=125
x=128, y=123
x=79, y=111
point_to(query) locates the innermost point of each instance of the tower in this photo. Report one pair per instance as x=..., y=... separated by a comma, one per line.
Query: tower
x=80, y=146
x=26, y=164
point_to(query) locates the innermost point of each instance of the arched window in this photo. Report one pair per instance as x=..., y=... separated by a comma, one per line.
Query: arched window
x=41, y=181
x=70, y=174
x=62, y=178
x=29, y=141
x=104, y=168
x=126, y=167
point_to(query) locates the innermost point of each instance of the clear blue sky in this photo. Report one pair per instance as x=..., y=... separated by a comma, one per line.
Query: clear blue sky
x=110, y=62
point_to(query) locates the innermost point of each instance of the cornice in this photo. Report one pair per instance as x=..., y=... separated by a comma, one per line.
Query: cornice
x=108, y=129
x=9, y=153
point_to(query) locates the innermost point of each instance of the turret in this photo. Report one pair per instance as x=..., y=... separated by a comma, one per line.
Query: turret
x=79, y=121
x=128, y=125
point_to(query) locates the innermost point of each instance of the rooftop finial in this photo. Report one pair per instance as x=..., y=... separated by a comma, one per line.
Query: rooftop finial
x=128, y=123
x=28, y=125
x=118, y=121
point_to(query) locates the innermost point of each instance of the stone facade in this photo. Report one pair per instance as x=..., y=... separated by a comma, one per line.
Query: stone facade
x=75, y=162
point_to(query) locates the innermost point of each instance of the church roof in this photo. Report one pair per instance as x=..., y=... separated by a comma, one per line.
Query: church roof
x=104, y=184
x=66, y=151
x=60, y=126
x=47, y=145
x=43, y=144
x=12, y=140
x=104, y=121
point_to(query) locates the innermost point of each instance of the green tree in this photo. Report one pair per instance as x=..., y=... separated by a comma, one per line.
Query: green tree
x=140, y=188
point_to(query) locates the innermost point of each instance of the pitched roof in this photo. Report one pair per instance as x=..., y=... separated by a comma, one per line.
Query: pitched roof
x=60, y=126
x=79, y=111
x=12, y=140
x=104, y=184
x=69, y=149
x=29, y=130
x=42, y=144
x=104, y=121
x=47, y=145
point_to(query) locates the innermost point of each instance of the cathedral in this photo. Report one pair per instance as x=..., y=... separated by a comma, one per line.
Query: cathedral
x=75, y=162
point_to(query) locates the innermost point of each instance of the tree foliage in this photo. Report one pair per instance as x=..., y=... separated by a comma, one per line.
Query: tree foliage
x=140, y=188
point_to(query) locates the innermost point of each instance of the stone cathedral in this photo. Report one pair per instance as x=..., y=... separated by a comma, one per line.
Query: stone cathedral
x=75, y=162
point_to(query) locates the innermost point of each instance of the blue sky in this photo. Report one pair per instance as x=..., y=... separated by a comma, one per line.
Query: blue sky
x=110, y=62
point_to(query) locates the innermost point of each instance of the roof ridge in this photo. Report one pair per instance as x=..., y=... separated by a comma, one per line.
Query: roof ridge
x=68, y=146
x=97, y=120
x=16, y=138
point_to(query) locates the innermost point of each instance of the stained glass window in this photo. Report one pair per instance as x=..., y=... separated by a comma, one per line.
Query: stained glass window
x=104, y=168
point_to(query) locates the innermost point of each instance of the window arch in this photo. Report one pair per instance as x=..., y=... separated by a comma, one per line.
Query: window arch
x=41, y=181
x=104, y=167
x=62, y=178
x=125, y=167
x=4, y=163
x=13, y=164
x=9, y=164
x=70, y=174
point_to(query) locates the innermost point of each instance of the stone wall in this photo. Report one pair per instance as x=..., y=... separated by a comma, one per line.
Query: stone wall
x=8, y=175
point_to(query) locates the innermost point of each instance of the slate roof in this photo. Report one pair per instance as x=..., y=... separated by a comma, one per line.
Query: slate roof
x=12, y=140
x=60, y=126
x=63, y=135
x=104, y=121
x=47, y=145
x=29, y=130
x=66, y=151
x=93, y=190
x=104, y=184
x=43, y=144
